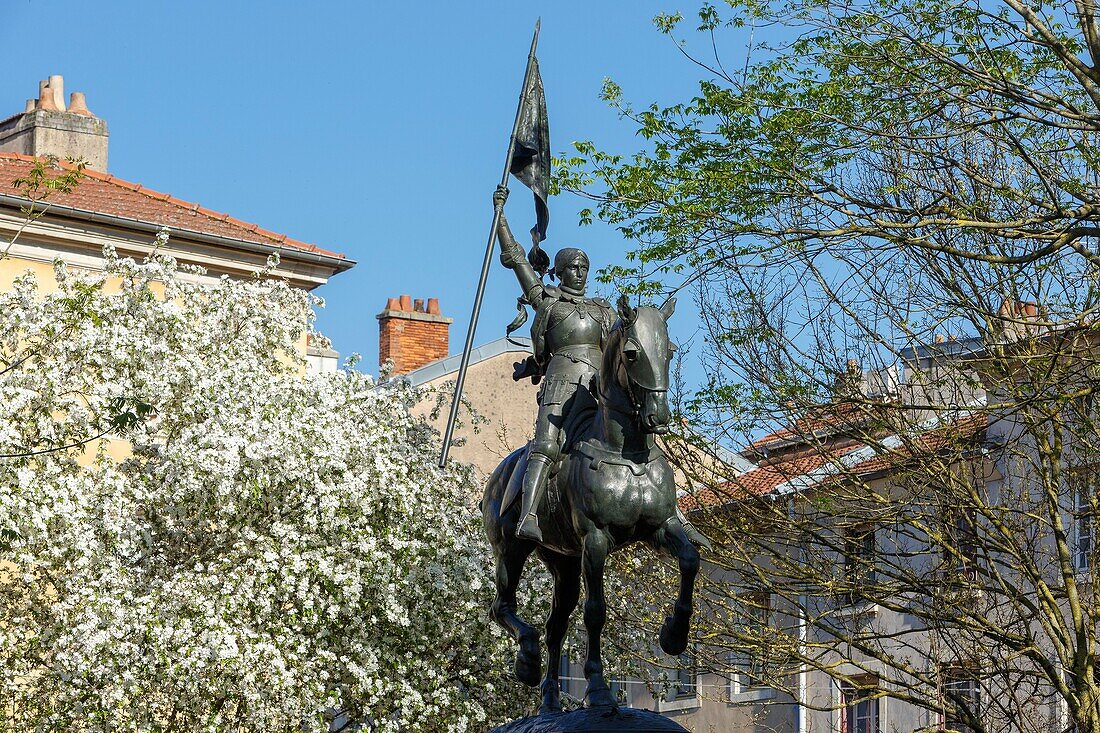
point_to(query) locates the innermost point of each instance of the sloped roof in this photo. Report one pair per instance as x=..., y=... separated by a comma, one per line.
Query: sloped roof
x=103, y=193
x=823, y=418
x=815, y=465
x=450, y=364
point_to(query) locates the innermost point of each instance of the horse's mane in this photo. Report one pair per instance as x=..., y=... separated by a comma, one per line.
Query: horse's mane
x=610, y=357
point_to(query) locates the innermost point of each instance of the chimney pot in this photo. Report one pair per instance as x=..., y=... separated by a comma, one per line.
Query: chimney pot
x=940, y=338
x=46, y=103
x=78, y=105
x=29, y=107
x=433, y=306
x=1019, y=309
x=45, y=97
x=411, y=336
x=79, y=134
x=853, y=365
x=57, y=86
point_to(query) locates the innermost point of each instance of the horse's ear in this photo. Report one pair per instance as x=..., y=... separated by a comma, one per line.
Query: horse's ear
x=668, y=308
x=627, y=313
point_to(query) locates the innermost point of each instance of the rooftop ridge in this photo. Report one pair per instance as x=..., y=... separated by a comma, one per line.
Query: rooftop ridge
x=193, y=208
x=806, y=471
x=448, y=364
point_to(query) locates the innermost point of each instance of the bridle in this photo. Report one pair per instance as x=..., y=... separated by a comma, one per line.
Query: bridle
x=635, y=405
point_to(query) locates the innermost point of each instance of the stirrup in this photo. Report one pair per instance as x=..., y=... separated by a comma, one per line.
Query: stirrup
x=529, y=529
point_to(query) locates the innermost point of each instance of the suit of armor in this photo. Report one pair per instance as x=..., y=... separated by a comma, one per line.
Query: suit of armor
x=568, y=334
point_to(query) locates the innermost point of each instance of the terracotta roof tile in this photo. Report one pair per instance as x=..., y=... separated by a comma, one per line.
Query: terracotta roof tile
x=819, y=418
x=104, y=193
x=962, y=430
x=761, y=480
x=766, y=478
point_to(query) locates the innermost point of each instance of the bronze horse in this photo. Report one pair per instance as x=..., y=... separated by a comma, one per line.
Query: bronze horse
x=614, y=486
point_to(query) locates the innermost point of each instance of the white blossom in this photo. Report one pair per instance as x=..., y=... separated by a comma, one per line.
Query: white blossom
x=276, y=547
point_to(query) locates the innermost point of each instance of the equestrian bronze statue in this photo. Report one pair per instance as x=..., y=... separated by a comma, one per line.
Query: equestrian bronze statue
x=593, y=479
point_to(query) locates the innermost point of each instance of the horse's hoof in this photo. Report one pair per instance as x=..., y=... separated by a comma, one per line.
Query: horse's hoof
x=674, y=636
x=529, y=662
x=600, y=697
x=528, y=671
x=551, y=697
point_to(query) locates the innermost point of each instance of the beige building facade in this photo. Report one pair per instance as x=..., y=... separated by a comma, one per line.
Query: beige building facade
x=505, y=409
x=39, y=225
x=75, y=223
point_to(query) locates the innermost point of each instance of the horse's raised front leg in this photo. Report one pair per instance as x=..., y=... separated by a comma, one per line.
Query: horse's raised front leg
x=567, y=588
x=674, y=631
x=509, y=561
x=593, y=559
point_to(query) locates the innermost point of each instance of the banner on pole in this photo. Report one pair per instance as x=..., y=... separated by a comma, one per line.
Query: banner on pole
x=528, y=159
x=531, y=160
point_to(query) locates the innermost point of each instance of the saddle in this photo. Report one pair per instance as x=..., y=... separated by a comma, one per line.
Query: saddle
x=574, y=428
x=514, y=490
x=551, y=505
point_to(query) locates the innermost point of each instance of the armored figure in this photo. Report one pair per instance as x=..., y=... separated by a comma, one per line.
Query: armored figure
x=568, y=334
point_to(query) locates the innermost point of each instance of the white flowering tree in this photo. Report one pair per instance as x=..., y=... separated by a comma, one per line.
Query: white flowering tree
x=272, y=551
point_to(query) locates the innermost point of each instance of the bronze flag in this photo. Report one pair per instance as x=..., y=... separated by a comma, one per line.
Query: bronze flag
x=531, y=161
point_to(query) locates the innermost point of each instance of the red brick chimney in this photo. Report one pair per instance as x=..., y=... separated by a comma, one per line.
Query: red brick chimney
x=412, y=335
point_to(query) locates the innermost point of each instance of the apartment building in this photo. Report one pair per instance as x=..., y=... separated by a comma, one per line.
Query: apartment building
x=39, y=225
x=922, y=544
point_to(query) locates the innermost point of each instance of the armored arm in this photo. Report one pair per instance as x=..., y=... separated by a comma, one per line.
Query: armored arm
x=514, y=258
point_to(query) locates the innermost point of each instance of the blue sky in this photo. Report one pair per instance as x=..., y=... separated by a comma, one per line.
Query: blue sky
x=373, y=129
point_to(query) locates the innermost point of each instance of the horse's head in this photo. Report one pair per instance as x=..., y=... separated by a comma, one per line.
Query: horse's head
x=637, y=358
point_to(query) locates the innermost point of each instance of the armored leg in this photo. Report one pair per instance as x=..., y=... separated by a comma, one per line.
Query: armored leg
x=545, y=450
x=534, y=485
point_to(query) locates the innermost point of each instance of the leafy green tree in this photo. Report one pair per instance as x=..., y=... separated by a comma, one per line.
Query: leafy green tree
x=906, y=189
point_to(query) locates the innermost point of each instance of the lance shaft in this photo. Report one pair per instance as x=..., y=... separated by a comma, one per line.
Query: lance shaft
x=488, y=261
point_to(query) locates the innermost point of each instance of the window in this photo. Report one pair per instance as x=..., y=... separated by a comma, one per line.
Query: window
x=960, y=555
x=1084, y=528
x=747, y=666
x=859, y=707
x=859, y=561
x=563, y=672
x=677, y=688
x=618, y=689
x=746, y=673
x=683, y=682
x=961, y=700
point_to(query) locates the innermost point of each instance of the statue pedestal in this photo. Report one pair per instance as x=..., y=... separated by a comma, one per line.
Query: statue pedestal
x=594, y=720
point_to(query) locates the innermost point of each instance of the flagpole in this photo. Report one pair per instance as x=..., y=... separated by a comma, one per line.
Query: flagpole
x=488, y=261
